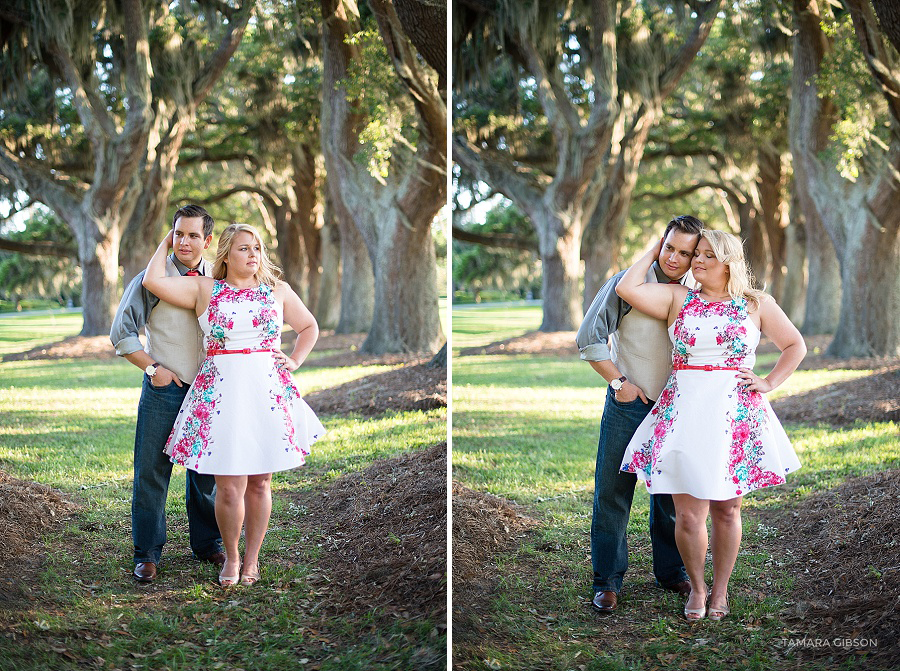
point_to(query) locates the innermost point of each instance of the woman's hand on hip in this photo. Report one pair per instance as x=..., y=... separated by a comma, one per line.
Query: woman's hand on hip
x=753, y=382
x=284, y=360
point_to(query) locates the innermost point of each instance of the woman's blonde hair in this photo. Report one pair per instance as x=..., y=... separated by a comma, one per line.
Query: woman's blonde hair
x=266, y=273
x=729, y=250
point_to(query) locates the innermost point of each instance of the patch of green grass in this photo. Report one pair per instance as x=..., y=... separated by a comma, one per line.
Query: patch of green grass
x=22, y=332
x=70, y=424
x=475, y=327
x=526, y=428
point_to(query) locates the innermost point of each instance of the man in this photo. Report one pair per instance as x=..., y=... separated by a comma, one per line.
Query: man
x=170, y=362
x=633, y=353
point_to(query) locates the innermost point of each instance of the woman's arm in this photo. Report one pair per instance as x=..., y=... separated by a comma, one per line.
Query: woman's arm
x=299, y=318
x=653, y=299
x=776, y=326
x=182, y=292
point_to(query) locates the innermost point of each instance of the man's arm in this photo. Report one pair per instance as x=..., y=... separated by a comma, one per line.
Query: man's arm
x=600, y=322
x=131, y=316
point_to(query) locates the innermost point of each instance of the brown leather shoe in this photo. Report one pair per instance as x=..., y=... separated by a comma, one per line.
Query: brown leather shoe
x=683, y=588
x=217, y=558
x=605, y=602
x=145, y=572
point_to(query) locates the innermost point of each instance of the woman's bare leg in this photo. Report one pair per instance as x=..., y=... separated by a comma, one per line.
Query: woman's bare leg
x=258, y=506
x=726, y=541
x=692, y=541
x=230, y=491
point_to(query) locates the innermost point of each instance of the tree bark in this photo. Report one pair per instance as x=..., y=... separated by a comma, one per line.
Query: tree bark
x=340, y=126
x=811, y=118
x=860, y=216
x=406, y=293
x=328, y=304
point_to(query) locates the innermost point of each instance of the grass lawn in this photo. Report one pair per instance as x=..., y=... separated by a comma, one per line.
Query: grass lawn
x=525, y=428
x=70, y=424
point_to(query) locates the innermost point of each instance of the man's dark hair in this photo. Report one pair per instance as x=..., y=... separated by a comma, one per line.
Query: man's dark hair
x=686, y=224
x=195, y=211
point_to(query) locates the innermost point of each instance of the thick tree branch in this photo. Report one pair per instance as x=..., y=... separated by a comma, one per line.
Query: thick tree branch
x=501, y=177
x=505, y=240
x=865, y=24
x=39, y=248
x=686, y=191
x=558, y=109
x=271, y=200
x=682, y=60
x=210, y=72
x=605, y=63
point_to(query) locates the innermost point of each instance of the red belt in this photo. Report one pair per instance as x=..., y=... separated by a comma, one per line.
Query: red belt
x=684, y=366
x=214, y=352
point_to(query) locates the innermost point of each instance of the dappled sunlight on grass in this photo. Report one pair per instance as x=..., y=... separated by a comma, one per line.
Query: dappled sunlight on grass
x=474, y=327
x=22, y=332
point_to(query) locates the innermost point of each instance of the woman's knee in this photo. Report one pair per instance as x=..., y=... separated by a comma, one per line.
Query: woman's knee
x=726, y=513
x=259, y=485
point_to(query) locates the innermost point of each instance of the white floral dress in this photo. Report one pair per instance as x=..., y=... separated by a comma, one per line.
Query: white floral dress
x=708, y=436
x=243, y=415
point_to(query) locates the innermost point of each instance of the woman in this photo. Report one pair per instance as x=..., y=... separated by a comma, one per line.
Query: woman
x=712, y=436
x=243, y=417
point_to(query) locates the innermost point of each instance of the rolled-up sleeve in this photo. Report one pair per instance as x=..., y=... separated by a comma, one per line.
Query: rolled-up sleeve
x=601, y=320
x=133, y=312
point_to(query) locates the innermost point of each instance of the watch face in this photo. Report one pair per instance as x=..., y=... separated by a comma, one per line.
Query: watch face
x=616, y=384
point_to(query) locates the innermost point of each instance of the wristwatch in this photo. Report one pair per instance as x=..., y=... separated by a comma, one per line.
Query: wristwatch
x=617, y=383
x=151, y=369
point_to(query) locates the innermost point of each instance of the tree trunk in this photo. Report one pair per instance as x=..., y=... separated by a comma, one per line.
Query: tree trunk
x=328, y=304
x=309, y=221
x=774, y=216
x=341, y=123
x=823, y=288
x=871, y=292
x=560, y=266
x=793, y=292
x=290, y=248
x=406, y=293
x=811, y=118
x=357, y=281
x=99, y=259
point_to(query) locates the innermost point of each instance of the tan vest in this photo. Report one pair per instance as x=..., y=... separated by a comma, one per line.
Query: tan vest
x=642, y=350
x=174, y=338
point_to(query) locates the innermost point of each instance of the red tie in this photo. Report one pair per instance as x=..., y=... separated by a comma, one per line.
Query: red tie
x=192, y=273
x=670, y=281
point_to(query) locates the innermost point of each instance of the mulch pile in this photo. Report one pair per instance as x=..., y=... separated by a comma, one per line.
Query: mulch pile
x=483, y=526
x=843, y=548
x=27, y=511
x=383, y=536
x=873, y=398
x=412, y=387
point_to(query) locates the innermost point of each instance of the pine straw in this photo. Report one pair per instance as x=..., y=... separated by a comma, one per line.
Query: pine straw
x=27, y=511
x=383, y=537
x=873, y=398
x=483, y=527
x=412, y=387
x=843, y=548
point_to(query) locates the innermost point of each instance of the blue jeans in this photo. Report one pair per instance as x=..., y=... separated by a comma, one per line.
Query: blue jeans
x=157, y=411
x=613, y=493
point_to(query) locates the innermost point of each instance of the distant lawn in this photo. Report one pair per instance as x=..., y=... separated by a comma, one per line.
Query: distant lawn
x=475, y=326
